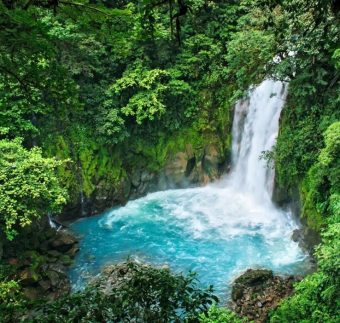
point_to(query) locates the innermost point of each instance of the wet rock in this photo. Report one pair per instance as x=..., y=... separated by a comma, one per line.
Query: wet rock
x=63, y=242
x=184, y=166
x=73, y=251
x=162, y=183
x=297, y=235
x=66, y=260
x=309, y=239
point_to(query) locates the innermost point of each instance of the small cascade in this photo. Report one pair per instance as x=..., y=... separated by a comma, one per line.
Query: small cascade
x=255, y=128
x=81, y=190
x=53, y=223
x=82, y=203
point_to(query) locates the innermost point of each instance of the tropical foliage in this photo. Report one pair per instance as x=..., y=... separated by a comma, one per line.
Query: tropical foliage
x=29, y=187
x=89, y=90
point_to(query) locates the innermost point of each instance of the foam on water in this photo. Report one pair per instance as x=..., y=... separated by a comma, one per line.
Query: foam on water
x=218, y=230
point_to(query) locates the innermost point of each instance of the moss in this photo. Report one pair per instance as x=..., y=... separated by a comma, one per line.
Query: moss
x=153, y=156
x=90, y=162
x=310, y=212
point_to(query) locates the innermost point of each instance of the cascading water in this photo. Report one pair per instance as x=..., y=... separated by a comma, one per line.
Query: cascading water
x=255, y=128
x=218, y=230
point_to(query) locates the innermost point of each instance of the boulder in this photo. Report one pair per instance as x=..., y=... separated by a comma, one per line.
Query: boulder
x=73, y=251
x=296, y=235
x=58, y=268
x=257, y=291
x=66, y=260
x=28, y=277
x=53, y=277
x=254, y=277
x=63, y=242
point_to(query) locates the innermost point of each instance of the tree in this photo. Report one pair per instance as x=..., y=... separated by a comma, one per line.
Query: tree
x=29, y=188
x=139, y=293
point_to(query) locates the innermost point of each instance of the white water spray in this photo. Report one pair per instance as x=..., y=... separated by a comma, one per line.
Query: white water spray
x=255, y=128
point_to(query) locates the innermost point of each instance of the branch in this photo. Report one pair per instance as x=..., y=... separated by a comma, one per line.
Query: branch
x=77, y=4
x=24, y=85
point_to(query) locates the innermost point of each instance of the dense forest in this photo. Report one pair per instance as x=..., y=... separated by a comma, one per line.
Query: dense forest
x=98, y=95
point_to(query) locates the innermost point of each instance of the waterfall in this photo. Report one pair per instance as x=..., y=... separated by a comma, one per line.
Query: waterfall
x=255, y=128
x=218, y=230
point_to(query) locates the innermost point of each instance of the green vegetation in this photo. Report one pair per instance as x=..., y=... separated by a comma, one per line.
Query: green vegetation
x=29, y=187
x=91, y=91
x=316, y=298
x=114, y=80
x=220, y=315
x=140, y=293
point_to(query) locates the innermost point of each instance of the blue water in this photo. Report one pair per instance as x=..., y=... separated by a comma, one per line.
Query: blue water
x=215, y=231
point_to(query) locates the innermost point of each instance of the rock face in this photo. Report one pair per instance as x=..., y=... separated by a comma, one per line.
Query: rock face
x=183, y=168
x=307, y=238
x=257, y=291
x=42, y=271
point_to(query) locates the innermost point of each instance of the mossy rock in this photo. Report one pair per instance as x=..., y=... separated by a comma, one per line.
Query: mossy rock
x=66, y=260
x=32, y=254
x=251, y=278
x=54, y=253
x=254, y=277
x=28, y=277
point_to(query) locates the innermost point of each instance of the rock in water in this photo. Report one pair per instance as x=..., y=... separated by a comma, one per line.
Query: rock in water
x=250, y=278
x=63, y=241
x=256, y=292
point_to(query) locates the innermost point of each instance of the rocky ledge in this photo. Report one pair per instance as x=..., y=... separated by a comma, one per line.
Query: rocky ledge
x=185, y=168
x=42, y=271
x=257, y=291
